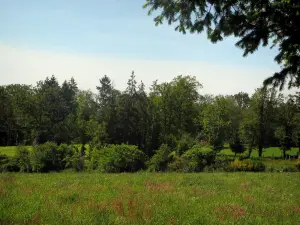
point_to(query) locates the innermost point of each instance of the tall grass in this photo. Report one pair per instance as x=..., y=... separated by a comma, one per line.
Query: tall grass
x=150, y=198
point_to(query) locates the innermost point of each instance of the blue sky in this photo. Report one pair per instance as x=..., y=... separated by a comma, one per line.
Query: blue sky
x=118, y=30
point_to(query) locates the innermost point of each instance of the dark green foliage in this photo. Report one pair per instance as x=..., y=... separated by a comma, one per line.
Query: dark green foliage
x=289, y=169
x=198, y=157
x=255, y=23
x=76, y=161
x=218, y=143
x=178, y=164
x=22, y=158
x=184, y=143
x=64, y=152
x=121, y=158
x=44, y=158
x=237, y=147
x=160, y=160
x=164, y=124
x=7, y=164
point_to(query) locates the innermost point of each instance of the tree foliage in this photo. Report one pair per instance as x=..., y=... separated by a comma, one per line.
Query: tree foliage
x=172, y=117
x=255, y=23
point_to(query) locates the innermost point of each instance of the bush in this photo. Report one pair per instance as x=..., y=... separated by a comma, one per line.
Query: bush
x=198, y=157
x=44, y=158
x=121, y=158
x=289, y=169
x=179, y=164
x=237, y=147
x=74, y=158
x=94, y=159
x=282, y=169
x=7, y=164
x=184, y=143
x=22, y=158
x=160, y=160
x=220, y=164
x=246, y=165
x=65, y=152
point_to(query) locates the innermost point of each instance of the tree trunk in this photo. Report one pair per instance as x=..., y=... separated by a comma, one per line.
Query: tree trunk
x=250, y=147
x=284, y=154
x=260, y=149
x=298, y=145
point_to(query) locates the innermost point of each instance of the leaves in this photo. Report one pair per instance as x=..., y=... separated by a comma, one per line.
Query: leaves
x=255, y=23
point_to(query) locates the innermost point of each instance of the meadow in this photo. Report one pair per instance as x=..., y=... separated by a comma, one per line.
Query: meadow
x=150, y=198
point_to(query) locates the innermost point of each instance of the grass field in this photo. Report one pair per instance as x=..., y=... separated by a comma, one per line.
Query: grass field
x=267, y=152
x=145, y=198
x=10, y=150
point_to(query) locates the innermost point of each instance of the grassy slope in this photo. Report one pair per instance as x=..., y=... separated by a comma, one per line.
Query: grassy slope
x=8, y=150
x=144, y=198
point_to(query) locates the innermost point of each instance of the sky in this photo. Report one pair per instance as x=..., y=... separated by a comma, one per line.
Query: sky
x=87, y=39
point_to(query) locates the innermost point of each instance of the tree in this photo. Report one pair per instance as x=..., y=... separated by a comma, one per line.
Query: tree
x=15, y=122
x=217, y=122
x=254, y=22
x=297, y=133
x=287, y=123
x=258, y=123
x=132, y=115
x=237, y=147
x=107, y=115
x=86, y=109
x=177, y=105
x=249, y=128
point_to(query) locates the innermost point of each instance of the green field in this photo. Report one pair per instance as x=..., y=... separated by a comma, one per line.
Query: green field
x=145, y=198
x=267, y=152
x=10, y=150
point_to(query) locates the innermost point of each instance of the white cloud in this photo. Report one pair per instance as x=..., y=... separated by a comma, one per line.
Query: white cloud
x=19, y=65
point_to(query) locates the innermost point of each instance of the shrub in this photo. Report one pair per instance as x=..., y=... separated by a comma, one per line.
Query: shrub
x=198, y=157
x=237, y=147
x=7, y=164
x=75, y=159
x=64, y=152
x=121, y=158
x=76, y=162
x=94, y=159
x=218, y=143
x=160, y=160
x=246, y=165
x=179, y=164
x=220, y=163
x=44, y=158
x=184, y=143
x=289, y=169
x=22, y=158
x=282, y=169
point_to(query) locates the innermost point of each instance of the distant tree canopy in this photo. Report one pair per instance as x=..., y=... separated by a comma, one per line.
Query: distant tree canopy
x=254, y=22
x=172, y=113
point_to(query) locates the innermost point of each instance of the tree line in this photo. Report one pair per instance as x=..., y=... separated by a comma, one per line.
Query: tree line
x=172, y=113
